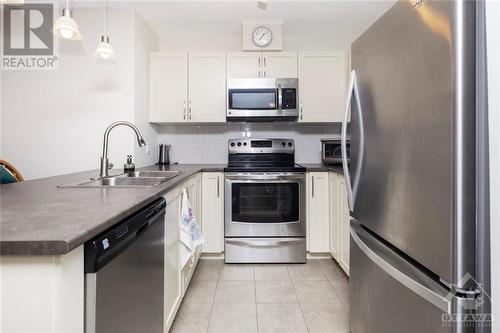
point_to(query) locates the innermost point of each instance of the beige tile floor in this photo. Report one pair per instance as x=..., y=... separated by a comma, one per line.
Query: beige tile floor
x=223, y=298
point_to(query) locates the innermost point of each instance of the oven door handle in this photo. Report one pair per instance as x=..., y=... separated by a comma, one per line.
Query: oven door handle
x=267, y=178
x=273, y=243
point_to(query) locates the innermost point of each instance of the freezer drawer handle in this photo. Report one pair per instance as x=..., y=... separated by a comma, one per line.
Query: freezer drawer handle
x=352, y=189
x=442, y=303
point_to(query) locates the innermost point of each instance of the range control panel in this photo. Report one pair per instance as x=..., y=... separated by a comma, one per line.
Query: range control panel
x=262, y=146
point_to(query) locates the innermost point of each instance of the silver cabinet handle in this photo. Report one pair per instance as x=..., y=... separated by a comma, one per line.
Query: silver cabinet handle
x=352, y=189
x=259, y=71
x=280, y=97
x=190, y=110
x=184, y=108
x=301, y=111
x=265, y=73
x=218, y=187
x=312, y=184
x=264, y=62
x=259, y=61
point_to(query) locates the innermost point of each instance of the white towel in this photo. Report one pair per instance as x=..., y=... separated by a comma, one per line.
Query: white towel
x=190, y=233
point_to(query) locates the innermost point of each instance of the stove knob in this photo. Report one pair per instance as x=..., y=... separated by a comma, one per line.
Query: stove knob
x=244, y=143
x=232, y=144
x=239, y=144
x=283, y=144
x=289, y=144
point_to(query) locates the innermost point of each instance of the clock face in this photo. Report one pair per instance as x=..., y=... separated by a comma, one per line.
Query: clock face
x=262, y=36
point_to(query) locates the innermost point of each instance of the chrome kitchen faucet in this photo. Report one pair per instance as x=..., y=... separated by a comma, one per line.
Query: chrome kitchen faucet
x=104, y=159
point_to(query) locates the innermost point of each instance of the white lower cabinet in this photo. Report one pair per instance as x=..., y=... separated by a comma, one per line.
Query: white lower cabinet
x=193, y=189
x=172, y=286
x=339, y=221
x=177, y=280
x=213, y=212
x=318, y=212
x=344, y=222
x=334, y=215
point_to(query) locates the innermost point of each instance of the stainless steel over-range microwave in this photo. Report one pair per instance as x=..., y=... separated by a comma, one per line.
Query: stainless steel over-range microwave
x=262, y=99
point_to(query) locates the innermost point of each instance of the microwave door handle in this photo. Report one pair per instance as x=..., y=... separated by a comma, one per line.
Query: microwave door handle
x=280, y=98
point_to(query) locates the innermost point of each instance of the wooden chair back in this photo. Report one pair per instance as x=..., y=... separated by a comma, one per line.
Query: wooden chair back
x=12, y=170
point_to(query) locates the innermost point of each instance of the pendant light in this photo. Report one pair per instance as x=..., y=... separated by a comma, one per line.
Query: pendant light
x=66, y=27
x=104, y=49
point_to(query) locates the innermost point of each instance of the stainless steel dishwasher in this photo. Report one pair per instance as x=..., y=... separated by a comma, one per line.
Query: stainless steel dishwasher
x=124, y=270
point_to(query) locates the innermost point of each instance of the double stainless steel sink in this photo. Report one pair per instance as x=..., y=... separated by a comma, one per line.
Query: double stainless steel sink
x=129, y=179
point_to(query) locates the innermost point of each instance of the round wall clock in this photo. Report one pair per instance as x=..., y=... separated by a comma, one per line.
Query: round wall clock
x=262, y=36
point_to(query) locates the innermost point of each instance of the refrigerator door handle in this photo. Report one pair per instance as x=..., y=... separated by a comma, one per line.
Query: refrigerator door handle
x=429, y=292
x=352, y=189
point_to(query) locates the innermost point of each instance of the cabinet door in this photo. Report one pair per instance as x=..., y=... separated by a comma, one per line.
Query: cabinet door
x=334, y=216
x=319, y=213
x=172, y=285
x=344, y=219
x=213, y=212
x=168, y=74
x=244, y=65
x=322, y=86
x=279, y=64
x=207, y=87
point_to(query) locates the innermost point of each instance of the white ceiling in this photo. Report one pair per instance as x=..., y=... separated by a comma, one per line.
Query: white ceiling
x=338, y=19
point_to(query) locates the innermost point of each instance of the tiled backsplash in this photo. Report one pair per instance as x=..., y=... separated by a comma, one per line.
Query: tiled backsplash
x=207, y=143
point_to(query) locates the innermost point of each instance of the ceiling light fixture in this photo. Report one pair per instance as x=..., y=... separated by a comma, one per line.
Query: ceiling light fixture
x=104, y=49
x=66, y=27
x=262, y=4
x=12, y=2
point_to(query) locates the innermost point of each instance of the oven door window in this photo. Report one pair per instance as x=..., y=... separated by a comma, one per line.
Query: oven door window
x=265, y=202
x=252, y=99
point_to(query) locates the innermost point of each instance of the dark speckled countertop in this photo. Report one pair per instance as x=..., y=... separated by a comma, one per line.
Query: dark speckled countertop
x=318, y=167
x=38, y=218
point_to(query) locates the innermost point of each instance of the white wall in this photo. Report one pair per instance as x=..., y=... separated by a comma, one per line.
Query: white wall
x=146, y=41
x=53, y=121
x=493, y=45
x=204, y=39
x=207, y=143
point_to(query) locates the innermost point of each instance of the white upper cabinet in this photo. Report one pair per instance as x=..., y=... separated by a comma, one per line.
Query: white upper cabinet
x=207, y=87
x=244, y=65
x=187, y=88
x=261, y=64
x=322, y=86
x=279, y=64
x=168, y=79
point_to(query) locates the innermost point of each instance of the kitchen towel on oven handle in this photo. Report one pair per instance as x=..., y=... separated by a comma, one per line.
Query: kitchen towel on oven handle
x=189, y=231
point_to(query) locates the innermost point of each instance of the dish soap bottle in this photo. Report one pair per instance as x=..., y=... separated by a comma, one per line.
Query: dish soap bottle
x=129, y=166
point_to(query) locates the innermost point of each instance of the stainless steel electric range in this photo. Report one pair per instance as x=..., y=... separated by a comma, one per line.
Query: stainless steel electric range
x=265, y=200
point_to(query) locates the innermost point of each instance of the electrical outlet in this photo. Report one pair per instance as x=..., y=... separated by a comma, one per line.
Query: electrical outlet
x=148, y=149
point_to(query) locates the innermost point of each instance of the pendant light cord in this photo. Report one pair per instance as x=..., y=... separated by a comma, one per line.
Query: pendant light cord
x=106, y=21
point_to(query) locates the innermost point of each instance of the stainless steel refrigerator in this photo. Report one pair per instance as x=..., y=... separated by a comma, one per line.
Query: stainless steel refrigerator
x=413, y=175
